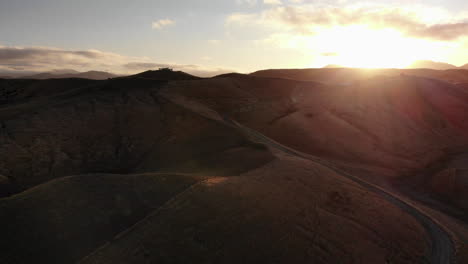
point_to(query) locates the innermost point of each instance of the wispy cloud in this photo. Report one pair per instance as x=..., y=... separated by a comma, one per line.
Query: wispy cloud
x=329, y=54
x=159, y=24
x=248, y=2
x=305, y=19
x=272, y=2
x=44, y=59
x=214, y=41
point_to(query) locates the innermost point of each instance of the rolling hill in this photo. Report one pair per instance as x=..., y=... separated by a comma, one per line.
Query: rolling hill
x=279, y=166
x=426, y=64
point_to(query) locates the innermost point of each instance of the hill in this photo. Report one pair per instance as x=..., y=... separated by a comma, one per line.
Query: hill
x=94, y=75
x=280, y=166
x=165, y=74
x=426, y=64
x=420, y=64
x=333, y=66
x=348, y=76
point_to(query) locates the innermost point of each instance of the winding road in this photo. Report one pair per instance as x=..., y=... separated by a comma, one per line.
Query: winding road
x=442, y=246
x=442, y=249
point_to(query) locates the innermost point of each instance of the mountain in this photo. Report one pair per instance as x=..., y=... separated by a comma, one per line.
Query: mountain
x=94, y=75
x=165, y=74
x=421, y=64
x=426, y=64
x=349, y=76
x=333, y=66
x=279, y=166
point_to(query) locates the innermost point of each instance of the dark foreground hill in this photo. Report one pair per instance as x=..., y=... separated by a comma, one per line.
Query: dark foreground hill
x=169, y=168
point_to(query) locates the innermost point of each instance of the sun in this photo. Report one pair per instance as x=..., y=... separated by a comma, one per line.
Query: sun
x=364, y=47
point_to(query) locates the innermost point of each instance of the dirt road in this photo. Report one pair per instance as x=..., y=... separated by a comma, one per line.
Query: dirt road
x=442, y=246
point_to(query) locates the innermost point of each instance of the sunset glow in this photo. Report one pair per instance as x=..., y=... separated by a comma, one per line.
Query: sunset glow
x=361, y=47
x=234, y=131
x=210, y=39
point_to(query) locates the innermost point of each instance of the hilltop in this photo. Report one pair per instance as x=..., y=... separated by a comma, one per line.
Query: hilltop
x=165, y=74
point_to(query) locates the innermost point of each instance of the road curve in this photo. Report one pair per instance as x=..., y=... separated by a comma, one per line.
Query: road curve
x=442, y=246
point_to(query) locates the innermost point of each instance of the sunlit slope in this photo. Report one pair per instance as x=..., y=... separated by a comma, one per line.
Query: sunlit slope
x=290, y=211
x=387, y=130
x=391, y=125
x=215, y=191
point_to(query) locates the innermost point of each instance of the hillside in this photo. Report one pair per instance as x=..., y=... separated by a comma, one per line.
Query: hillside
x=280, y=166
x=426, y=64
x=165, y=74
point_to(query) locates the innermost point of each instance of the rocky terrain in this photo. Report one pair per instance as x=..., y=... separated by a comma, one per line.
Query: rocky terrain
x=279, y=166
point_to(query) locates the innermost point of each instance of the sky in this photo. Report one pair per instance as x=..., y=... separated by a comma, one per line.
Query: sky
x=209, y=37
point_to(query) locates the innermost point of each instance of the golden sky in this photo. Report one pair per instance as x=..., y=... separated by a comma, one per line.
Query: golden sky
x=210, y=37
x=362, y=34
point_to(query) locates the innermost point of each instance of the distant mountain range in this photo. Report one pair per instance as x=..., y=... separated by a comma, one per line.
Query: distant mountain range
x=95, y=75
x=331, y=66
x=61, y=74
x=157, y=75
x=427, y=64
x=421, y=64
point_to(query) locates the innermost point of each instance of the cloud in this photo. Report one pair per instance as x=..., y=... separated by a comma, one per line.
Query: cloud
x=243, y=19
x=444, y=31
x=329, y=54
x=248, y=2
x=45, y=59
x=306, y=19
x=138, y=66
x=162, y=23
x=19, y=54
x=214, y=41
x=272, y=2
